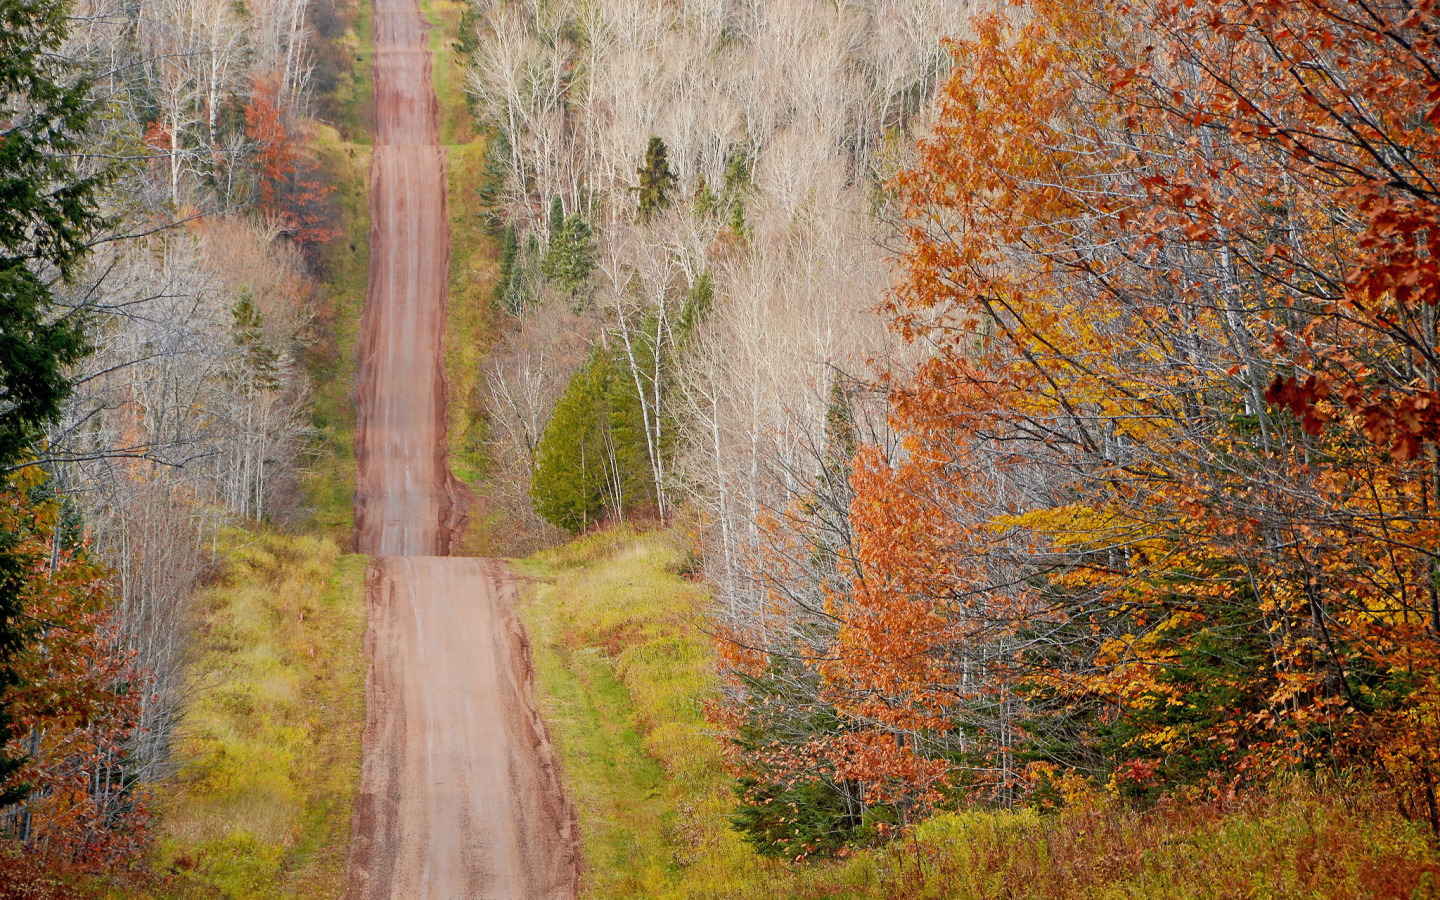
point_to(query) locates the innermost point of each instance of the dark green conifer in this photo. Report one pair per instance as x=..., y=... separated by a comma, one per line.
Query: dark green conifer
x=593, y=458
x=737, y=180
x=656, y=179
x=706, y=201
x=570, y=258
x=737, y=174
x=698, y=301
x=506, y=296
x=572, y=484
x=557, y=216
x=262, y=362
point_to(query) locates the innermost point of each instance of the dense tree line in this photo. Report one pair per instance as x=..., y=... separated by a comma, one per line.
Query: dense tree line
x=711, y=170
x=1129, y=484
x=158, y=219
x=1160, y=511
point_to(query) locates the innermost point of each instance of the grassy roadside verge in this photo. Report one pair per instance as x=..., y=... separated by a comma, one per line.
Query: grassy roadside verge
x=329, y=478
x=343, y=150
x=271, y=742
x=623, y=670
x=623, y=667
x=474, y=257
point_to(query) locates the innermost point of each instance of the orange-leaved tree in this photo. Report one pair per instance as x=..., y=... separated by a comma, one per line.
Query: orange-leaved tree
x=287, y=179
x=1161, y=511
x=75, y=695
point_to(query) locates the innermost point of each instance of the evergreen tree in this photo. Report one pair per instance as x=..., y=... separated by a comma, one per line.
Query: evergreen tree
x=737, y=180
x=785, y=817
x=656, y=179
x=573, y=481
x=627, y=423
x=262, y=362
x=506, y=295
x=48, y=212
x=737, y=175
x=698, y=301
x=706, y=200
x=492, y=177
x=557, y=216
x=592, y=458
x=737, y=220
x=570, y=258
x=469, y=39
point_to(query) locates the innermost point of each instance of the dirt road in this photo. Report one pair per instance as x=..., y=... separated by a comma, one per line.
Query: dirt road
x=460, y=797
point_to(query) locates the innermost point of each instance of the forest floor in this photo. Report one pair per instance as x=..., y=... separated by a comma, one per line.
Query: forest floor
x=624, y=670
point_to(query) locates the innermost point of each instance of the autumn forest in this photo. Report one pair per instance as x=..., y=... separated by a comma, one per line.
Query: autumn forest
x=945, y=448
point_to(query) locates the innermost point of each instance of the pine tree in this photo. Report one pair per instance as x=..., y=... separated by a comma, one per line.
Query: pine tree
x=706, y=200
x=593, y=458
x=557, y=216
x=737, y=175
x=656, y=179
x=262, y=362
x=698, y=301
x=507, y=297
x=737, y=180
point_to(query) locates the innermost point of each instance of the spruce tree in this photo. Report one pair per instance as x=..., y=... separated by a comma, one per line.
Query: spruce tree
x=737, y=175
x=557, y=216
x=737, y=181
x=593, y=457
x=656, y=179
x=571, y=485
x=706, y=200
x=698, y=301
x=262, y=362
x=507, y=296
x=48, y=213
x=570, y=257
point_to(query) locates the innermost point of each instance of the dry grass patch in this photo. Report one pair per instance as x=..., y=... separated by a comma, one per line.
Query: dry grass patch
x=270, y=743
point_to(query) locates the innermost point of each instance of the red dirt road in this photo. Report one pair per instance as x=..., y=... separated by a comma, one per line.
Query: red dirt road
x=406, y=503
x=460, y=796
